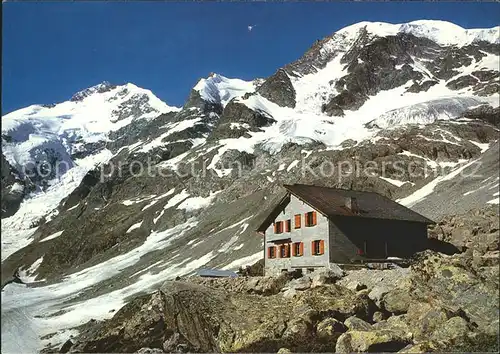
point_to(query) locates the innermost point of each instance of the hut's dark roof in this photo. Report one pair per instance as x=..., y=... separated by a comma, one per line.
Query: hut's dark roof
x=331, y=202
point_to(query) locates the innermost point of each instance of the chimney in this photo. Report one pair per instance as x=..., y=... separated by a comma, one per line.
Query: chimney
x=351, y=203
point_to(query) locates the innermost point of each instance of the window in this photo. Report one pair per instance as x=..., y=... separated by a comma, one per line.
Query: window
x=318, y=247
x=310, y=218
x=362, y=252
x=284, y=251
x=278, y=227
x=298, y=249
x=288, y=225
x=271, y=252
x=297, y=221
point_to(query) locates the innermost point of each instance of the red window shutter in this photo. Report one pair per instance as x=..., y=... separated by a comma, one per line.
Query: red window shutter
x=287, y=251
x=306, y=222
x=297, y=221
x=287, y=226
x=301, y=249
x=293, y=250
x=269, y=252
x=322, y=247
x=312, y=247
x=314, y=218
x=275, y=228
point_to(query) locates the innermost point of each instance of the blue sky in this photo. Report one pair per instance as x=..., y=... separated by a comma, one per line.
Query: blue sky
x=52, y=50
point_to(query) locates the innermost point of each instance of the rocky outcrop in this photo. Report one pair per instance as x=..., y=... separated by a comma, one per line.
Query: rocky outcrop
x=187, y=317
x=485, y=113
x=454, y=285
x=104, y=86
x=134, y=107
x=256, y=269
x=477, y=230
x=13, y=189
x=423, y=86
x=462, y=82
x=237, y=119
x=372, y=68
x=278, y=89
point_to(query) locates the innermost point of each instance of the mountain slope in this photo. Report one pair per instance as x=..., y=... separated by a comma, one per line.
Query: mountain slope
x=379, y=107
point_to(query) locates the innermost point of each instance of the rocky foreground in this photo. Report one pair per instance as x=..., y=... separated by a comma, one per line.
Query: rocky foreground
x=439, y=303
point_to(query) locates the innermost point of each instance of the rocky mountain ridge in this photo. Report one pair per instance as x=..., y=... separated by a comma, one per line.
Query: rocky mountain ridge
x=100, y=233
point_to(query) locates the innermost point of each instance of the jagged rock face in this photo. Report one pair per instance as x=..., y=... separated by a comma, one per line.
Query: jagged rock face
x=419, y=87
x=13, y=189
x=313, y=59
x=279, y=89
x=373, y=68
x=485, y=113
x=134, y=107
x=104, y=86
x=237, y=119
x=196, y=101
x=387, y=63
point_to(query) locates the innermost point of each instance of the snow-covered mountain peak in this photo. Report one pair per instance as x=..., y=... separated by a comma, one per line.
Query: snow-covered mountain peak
x=101, y=108
x=447, y=33
x=77, y=127
x=441, y=32
x=219, y=89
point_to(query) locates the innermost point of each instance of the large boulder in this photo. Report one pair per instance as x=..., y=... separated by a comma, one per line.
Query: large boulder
x=330, y=327
x=425, y=318
x=357, y=324
x=455, y=327
x=326, y=276
x=266, y=285
x=335, y=301
x=371, y=341
x=301, y=283
x=385, y=280
x=396, y=301
x=395, y=323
